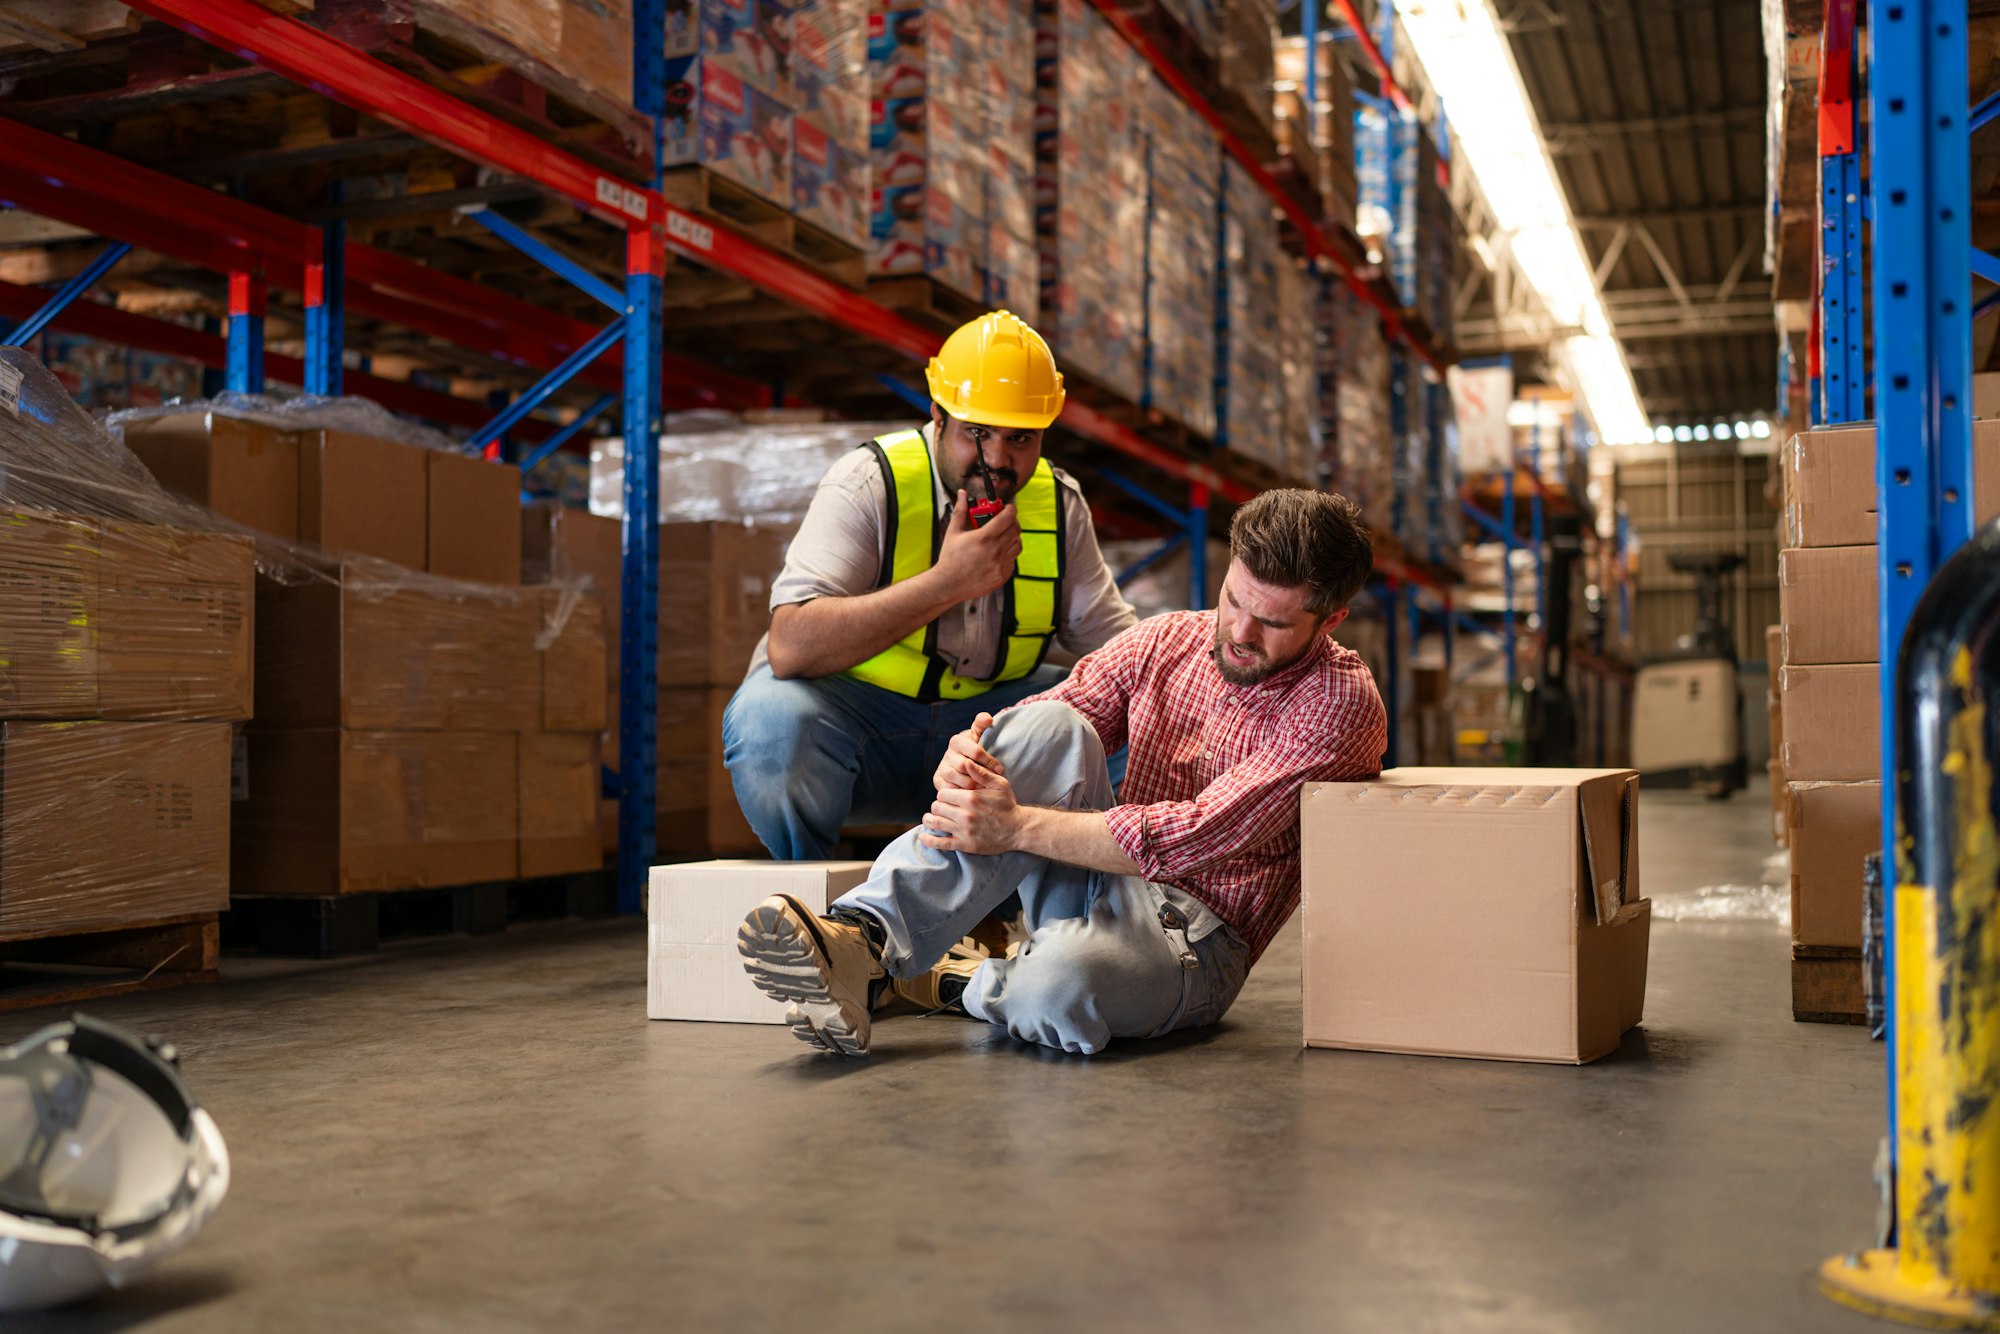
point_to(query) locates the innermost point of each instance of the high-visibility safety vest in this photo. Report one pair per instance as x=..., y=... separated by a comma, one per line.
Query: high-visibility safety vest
x=912, y=666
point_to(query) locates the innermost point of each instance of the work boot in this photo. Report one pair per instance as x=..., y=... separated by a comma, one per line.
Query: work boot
x=826, y=971
x=942, y=987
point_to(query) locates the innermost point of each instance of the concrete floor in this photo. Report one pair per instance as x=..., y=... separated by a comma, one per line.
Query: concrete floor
x=490, y=1136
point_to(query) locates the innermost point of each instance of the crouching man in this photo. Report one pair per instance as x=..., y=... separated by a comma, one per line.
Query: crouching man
x=1145, y=915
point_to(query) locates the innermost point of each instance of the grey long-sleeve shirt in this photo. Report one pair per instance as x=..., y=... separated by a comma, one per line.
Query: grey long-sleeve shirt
x=838, y=552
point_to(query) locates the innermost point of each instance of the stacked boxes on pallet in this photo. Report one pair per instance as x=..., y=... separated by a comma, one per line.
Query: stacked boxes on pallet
x=1406, y=210
x=1091, y=193
x=1321, y=137
x=1250, y=397
x=1298, y=370
x=1244, y=57
x=1181, y=198
x=420, y=719
x=1356, y=458
x=952, y=144
x=1828, y=687
x=127, y=658
x=773, y=95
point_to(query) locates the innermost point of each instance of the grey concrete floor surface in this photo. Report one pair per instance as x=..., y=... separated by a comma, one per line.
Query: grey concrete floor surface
x=490, y=1135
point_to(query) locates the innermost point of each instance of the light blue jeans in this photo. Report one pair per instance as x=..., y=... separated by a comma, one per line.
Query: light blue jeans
x=807, y=756
x=1109, y=956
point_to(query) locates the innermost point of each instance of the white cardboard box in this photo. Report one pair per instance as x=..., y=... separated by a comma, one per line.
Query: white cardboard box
x=692, y=968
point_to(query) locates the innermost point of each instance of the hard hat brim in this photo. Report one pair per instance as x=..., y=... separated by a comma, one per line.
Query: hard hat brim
x=1011, y=421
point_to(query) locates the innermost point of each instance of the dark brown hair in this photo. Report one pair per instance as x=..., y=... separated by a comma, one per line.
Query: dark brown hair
x=1296, y=538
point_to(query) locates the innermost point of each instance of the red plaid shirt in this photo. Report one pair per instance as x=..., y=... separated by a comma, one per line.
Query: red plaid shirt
x=1212, y=781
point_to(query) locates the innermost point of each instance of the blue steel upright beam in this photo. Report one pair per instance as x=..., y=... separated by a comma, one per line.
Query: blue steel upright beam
x=244, y=371
x=1507, y=579
x=326, y=307
x=31, y=328
x=639, y=582
x=1843, y=386
x=1920, y=182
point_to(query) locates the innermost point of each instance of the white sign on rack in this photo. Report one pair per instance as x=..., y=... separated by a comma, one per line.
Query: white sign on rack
x=1481, y=396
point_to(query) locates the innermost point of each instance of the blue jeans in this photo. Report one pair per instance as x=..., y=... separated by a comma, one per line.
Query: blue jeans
x=808, y=756
x=1108, y=956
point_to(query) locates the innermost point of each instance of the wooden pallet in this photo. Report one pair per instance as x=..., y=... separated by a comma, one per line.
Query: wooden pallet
x=65, y=969
x=323, y=926
x=704, y=190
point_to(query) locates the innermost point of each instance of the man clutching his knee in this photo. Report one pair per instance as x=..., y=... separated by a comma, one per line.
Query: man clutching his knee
x=1145, y=911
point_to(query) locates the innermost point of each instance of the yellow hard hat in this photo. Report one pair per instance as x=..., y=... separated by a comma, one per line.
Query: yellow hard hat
x=998, y=372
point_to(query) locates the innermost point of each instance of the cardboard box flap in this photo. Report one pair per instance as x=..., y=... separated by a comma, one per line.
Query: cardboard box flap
x=1606, y=808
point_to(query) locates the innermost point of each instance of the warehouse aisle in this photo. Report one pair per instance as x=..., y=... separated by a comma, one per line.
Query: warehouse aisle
x=490, y=1136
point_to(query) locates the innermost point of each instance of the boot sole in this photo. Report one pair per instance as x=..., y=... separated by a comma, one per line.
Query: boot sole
x=787, y=962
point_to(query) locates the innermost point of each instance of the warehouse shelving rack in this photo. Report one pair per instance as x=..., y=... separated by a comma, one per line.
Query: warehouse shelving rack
x=1915, y=221
x=64, y=180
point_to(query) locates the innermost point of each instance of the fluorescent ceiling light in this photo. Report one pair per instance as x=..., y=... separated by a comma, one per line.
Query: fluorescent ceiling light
x=1761, y=429
x=1663, y=435
x=1466, y=55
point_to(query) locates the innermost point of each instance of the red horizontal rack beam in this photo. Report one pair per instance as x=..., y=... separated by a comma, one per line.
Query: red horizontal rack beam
x=59, y=178
x=1373, y=53
x=94, y=319
x=1316, y=239
x=339, y=71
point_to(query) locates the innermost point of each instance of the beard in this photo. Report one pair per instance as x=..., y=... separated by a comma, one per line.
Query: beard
x=1005, y=480
x=1262, y=668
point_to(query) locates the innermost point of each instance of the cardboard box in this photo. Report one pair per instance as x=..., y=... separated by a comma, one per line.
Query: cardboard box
x=694, y=798
x=364, y=496
x=572, y=661
x=560, y=783
x=1774, y=773
x=692, y=968
x=382, y=655
x=829, y=183
x=1831, y=827
x=1826, y=597
x=731, y=126
x=472, y=531
x=1493, y=913
x=174, y=637
x=1833, y=723
x=1830, y=485
x=715, y=598
x=561, y=545
x=104, y=824
x=1986, y=395
x=48, y=616
x=242, y=470
x=1827, y=986
x=329, y=811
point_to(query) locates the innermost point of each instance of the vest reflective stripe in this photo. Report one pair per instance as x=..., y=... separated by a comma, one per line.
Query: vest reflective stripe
x=1033, y=596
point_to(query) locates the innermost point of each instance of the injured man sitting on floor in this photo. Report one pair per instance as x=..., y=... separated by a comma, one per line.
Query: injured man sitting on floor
x=1146, y=910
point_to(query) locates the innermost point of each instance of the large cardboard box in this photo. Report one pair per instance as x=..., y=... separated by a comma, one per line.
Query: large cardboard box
x=1833, y=723
x=365, y=496
x=103, y=824
x=1830, y=486
x=329, y=811
x=242, y=470
x=695, y=799
x=1826, y=597
x=1494, y=913
x=561, y=545
x=473, y=531
x=559, y=786
x=1831, y=828
x=48, y=616
x=1828, y=986
x=385, y=655
x=715, y=598
x=692, y=968
x=174, y=638
x=572, y=656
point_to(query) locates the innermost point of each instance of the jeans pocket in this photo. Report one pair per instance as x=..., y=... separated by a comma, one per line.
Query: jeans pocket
x=1213, y=987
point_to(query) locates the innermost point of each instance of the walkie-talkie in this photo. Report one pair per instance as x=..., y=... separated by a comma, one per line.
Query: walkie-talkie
x=982, y=510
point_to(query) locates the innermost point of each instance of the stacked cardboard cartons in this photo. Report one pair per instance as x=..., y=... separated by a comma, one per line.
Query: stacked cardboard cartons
x=127, y=659
x=1090, y=194
x=1323, y=135
x=1251, y=403
x=1181, y=188
x=1829, y=688
x=952, y=145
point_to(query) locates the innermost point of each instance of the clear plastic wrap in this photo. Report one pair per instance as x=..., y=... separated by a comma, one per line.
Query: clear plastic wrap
x=308, y=412
x=143, y=628
x=741, y=473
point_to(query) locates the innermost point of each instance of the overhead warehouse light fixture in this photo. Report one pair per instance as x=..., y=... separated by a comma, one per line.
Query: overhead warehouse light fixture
x=1463, y=50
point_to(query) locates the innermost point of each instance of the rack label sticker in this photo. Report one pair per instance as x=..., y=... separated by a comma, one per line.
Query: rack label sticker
x=618, y=195
x=688, y=232
x=10, y=388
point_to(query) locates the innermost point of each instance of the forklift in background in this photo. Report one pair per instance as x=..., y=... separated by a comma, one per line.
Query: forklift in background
x=1687, y=708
